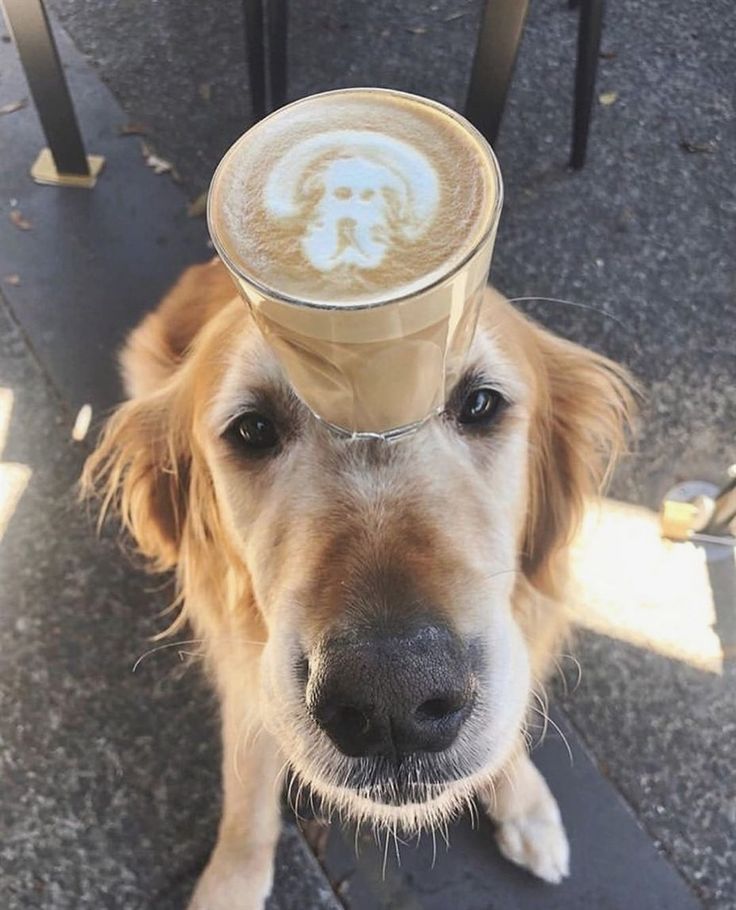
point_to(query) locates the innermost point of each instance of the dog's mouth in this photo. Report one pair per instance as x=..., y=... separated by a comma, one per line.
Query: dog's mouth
x=409, y=794
x=401, y=781
x=411, y=791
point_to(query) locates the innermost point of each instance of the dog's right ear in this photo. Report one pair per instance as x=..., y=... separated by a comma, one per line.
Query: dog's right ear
x=140, y=471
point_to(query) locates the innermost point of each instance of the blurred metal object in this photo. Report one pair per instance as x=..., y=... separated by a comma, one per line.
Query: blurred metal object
x=684, y=514
x=724, y=507
x=265, y=23
x=705, y=506
x=678, y=519
x=65, y=161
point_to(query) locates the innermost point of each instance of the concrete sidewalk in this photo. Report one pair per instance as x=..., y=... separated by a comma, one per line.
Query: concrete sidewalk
x=100, y=814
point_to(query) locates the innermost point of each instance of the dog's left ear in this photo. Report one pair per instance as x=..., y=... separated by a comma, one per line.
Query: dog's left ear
x=140, y=470
x=585, y=405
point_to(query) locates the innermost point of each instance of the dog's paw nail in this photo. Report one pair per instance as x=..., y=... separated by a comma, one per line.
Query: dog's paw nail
x=538, y=843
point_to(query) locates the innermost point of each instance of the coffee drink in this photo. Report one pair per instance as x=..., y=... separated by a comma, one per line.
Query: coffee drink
x=359, y=225
x=353, y=196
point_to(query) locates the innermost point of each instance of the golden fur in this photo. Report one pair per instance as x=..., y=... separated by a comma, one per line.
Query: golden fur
x=265, y=556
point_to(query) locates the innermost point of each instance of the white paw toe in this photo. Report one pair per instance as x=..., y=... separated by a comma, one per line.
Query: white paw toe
x=538, y=843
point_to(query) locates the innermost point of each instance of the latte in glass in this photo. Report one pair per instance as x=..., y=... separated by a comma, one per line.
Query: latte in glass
x=359, y=226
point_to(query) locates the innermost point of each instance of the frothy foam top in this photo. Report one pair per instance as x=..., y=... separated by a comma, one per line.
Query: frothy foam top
x=353, y=196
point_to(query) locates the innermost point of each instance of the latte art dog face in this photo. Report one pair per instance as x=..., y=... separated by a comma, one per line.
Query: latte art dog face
x=353, y=196
x=350, y=224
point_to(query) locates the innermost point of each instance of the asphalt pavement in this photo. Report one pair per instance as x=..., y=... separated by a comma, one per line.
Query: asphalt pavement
x=640, y=246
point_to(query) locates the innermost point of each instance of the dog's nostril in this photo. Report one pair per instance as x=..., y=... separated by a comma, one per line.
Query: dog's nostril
x=349, y=720
x=438, y=708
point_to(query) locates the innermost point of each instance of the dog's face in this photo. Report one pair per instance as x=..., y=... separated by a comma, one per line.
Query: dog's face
x=385, y=579
x=384, y=573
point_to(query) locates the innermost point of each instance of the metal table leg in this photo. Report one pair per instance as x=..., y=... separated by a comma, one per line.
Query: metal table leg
x=589, y=45
x=493, y=66
x=65, y=161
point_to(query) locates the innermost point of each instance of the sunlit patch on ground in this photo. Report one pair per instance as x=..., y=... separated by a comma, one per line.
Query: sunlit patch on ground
x=631, y=584
x=14, y=478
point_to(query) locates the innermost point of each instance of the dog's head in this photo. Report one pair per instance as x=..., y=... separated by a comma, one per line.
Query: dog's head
x=390, y=602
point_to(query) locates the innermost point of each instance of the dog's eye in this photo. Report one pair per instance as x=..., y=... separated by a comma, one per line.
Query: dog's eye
x=480, y=407
x=254, y=432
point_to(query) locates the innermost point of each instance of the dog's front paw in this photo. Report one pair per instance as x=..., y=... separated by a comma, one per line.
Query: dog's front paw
x=537, y=842
x=229, y=885
x=529, y=828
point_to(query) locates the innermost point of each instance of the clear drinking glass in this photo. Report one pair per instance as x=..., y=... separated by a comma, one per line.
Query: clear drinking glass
x=331, y=216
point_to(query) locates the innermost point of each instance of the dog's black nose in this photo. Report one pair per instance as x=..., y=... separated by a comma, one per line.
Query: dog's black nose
x=392, y=694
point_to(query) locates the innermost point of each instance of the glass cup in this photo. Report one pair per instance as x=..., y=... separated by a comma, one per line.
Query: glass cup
x=340, y=218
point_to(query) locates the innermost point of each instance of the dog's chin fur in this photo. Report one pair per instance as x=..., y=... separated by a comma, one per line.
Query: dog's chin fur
x=440, y=803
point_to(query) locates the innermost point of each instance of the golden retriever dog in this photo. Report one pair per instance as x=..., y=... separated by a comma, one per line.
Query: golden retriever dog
x=376, y=616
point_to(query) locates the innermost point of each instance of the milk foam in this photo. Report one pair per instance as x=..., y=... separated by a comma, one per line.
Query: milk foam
x=352, y=196
x=372, y=188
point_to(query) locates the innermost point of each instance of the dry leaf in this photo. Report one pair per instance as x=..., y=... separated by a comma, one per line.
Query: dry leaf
x=13, y=280
x=417, y=30
x=12, y=106
x=133, y=129
x=157, y=164
x=703, y=148
x=205, y=91
x=198, y=207
x=342, y=888
x=82, y=423
x=23, y=224
x=608, y=55
x=607, y=98
x=453, y=16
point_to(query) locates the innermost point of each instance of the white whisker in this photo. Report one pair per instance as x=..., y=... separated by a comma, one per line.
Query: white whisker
x=576, y=305
x=171, y=644
x=578, y=667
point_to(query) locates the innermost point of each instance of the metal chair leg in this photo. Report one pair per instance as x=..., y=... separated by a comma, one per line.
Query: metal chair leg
x=65, y=161
x=589, y=44
x=493, y=66
x=255, y=52
x=277, y=29
x=266, y=60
